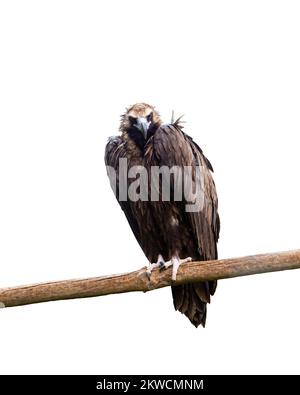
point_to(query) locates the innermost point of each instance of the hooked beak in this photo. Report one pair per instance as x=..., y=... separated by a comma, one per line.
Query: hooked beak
x=142, y=125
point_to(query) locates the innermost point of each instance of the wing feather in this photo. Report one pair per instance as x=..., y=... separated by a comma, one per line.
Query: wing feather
x=171, y=146
x=115, y=150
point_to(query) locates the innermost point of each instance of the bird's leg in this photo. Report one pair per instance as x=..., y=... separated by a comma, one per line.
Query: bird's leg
x=159, y=263
x=175, y=262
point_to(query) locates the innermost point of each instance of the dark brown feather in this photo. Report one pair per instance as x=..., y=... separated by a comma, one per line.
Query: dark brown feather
x=197, y=232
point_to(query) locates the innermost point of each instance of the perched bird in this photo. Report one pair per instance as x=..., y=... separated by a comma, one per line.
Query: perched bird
x=168, y=233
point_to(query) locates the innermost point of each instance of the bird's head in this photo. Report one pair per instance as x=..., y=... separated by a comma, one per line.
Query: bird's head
x=140, y=122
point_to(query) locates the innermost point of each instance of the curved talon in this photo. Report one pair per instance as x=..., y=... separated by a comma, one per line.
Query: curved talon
x=159, y=263
x=175, y=262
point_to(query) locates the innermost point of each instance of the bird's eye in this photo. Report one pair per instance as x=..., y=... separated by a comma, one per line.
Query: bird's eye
x=150, y=117
x=132, y=120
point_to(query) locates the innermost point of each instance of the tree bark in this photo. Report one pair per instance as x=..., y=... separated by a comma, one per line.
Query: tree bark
x=139, y=281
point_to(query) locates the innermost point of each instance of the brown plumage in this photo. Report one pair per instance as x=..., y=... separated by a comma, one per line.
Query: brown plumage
x=165, y=227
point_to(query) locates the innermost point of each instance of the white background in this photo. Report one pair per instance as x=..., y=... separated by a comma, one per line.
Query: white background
x=68, y=69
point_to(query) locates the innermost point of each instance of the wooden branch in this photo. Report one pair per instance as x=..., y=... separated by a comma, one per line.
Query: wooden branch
x=139, y=281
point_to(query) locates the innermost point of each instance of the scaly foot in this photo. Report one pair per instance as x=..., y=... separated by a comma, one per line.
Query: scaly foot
x=175, y=262
x=159, y=263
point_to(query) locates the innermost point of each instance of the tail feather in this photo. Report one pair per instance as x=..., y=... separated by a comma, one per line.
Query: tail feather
x=191, y=300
